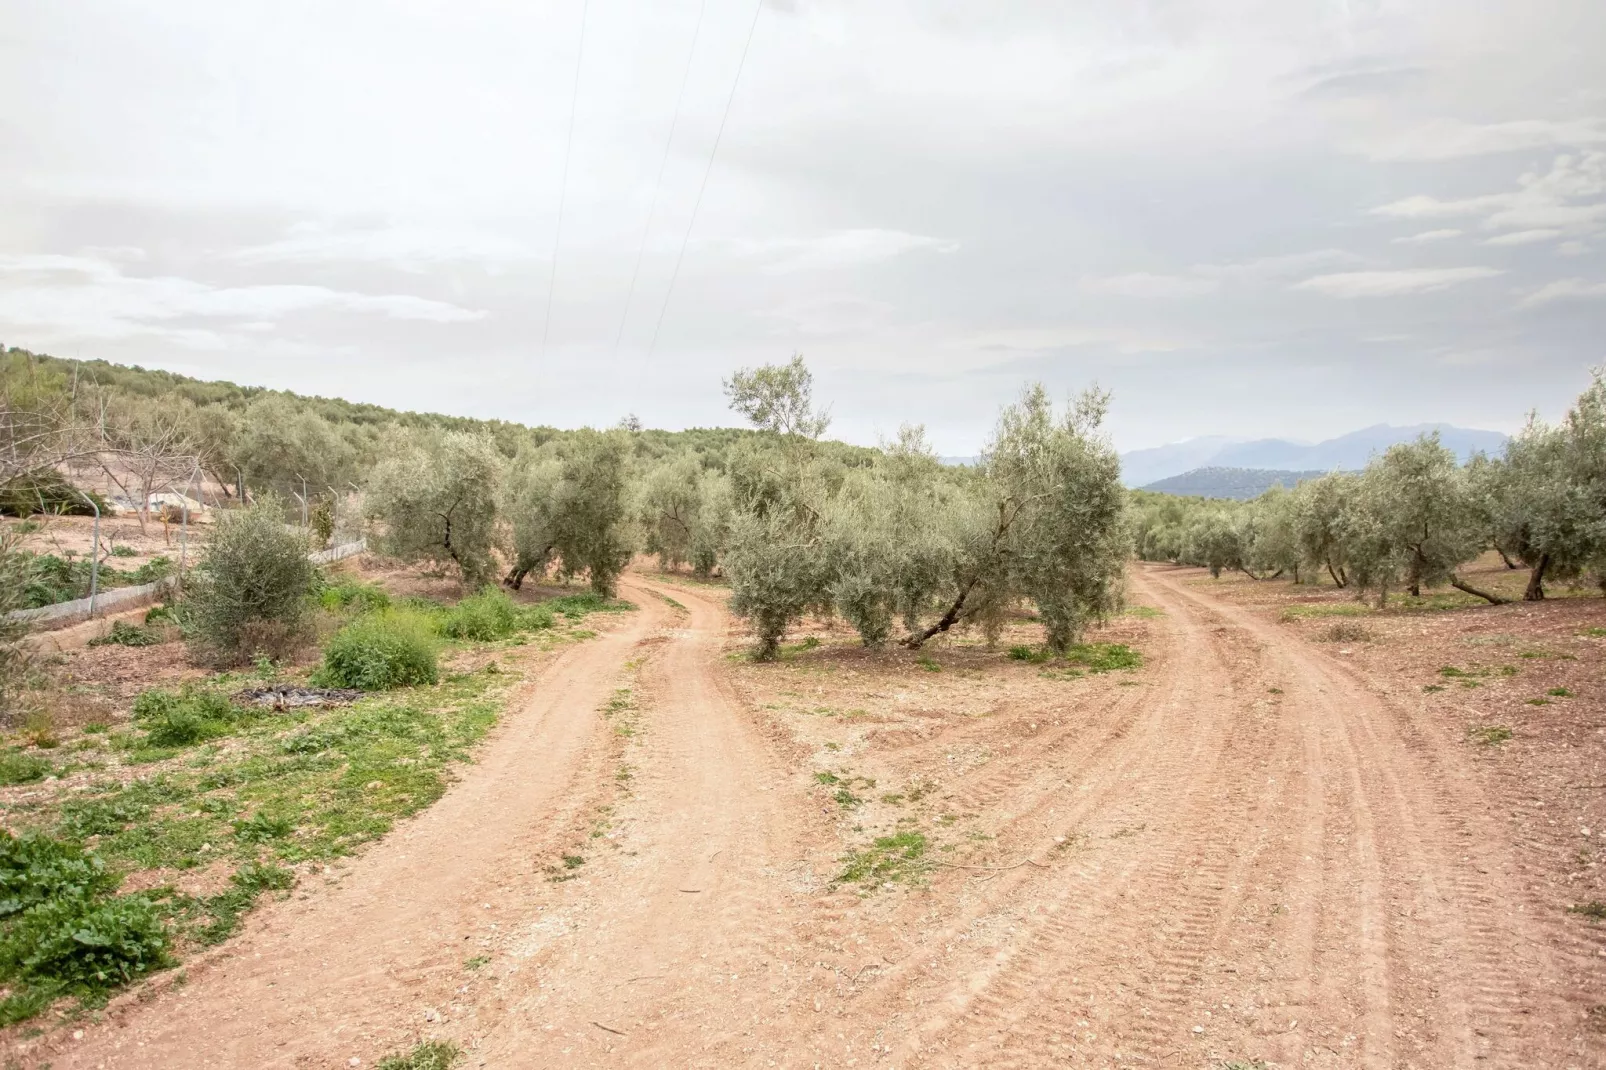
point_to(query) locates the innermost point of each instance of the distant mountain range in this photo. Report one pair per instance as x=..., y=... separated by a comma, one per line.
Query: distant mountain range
x=1142, y=468
x=1240, y=484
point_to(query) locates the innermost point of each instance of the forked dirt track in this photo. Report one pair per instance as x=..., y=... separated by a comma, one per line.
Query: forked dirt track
x=1247, y=855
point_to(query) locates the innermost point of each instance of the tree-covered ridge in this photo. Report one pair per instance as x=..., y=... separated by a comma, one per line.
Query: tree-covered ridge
x=263, y=439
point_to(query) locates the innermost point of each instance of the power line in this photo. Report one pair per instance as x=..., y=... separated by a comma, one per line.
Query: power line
x=563, y=185
x=758, y=9
x=658, y=184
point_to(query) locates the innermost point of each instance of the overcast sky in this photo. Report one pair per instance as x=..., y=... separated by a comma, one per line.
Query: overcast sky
x=1244, y=217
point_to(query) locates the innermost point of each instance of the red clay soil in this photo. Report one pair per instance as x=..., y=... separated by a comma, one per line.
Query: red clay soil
x=1258, y=852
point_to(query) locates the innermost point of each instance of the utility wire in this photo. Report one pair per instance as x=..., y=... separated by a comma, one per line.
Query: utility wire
x=758, y=9
x=563, y=185
x=658, y=185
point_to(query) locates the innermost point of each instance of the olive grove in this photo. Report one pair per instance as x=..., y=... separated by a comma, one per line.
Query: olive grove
x=905, y=541
x=1413, y=517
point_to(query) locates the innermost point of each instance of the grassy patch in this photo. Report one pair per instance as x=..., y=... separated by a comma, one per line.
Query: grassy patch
x=1144, y=612
x=928, y=663
x=20, y=767
x=1311, y=610
x=426, y=1055
x=1559, y=692
x=63, y=931
x=379, y=651
x=888, y=860
x=1593, y=909
x=126, y=634
x=181, y=718
x=1593, y=633
x=1489, y=735
x=1454, y=673
x=1104, y=657
x=1029, y=654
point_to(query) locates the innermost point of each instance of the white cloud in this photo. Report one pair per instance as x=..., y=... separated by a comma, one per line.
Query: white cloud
x=1572, y=248
x=1147, y=285
x=91, y=297
x=1448, y=139
x=1207, y=278
x=842, y=248
x=1428, y=236
x=1523, y=237
x=1570, y=197
x=1393, y=283
x=1565, y=290
x=411, y=248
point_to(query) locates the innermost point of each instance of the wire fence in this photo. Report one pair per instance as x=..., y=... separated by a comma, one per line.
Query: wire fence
x=146, y=593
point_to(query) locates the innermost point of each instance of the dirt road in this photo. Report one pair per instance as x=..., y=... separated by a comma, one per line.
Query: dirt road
x=1247, y=855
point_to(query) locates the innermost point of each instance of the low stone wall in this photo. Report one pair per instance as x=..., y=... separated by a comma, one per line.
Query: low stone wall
x=120, y=598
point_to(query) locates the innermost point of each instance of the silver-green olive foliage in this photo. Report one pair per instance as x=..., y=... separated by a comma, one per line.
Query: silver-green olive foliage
x=684, y=513
x=569, y=501
x=435, y=494
x=905, y=542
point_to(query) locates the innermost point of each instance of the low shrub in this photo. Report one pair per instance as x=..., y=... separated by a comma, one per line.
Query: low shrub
x=84, y=946
x=248, y=595
x=379, y=651
x=491, y=614
x=18, y=767
x=62, y=931
x=125, y=634
x=1345, y=631
x=355, y=595
x=36, y=869
x=178, y=719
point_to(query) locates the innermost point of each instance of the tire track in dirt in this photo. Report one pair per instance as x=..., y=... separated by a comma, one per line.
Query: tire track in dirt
x=1477, y=973
x=674, y=958
x=347, y=971
x=1072, y=973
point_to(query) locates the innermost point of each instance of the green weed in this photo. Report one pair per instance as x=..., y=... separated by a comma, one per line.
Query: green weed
x=379, y=651
x=1593, y=909
x=1559, y=692
x=63, y=932
x=1104, y=657
x=178, y=719
x=125, y=634
x=928, y=663
x=484, y=617
x=888, y=859
x=354, y=595
x=19, y=767
x=1489, y=735
x=426, y=1055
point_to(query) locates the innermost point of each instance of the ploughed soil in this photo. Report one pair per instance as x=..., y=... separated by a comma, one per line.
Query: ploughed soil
x=1275, y=840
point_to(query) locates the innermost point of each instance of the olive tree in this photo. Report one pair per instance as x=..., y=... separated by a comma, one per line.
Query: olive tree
x=436, y=494
x=776, y=560
x=1414, y=521
x=1067, y=547
x=889, y=538
x=683, y=511
x=1319, y=509
x=569, y=501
